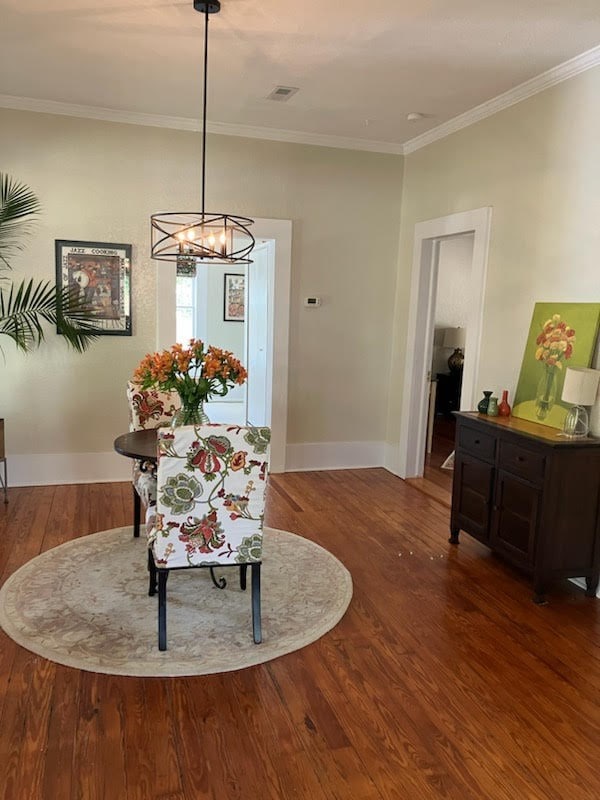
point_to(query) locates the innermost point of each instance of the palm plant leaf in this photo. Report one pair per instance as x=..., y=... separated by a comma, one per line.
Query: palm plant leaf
x=74, y=319
x=25, y=308
x=18, y=204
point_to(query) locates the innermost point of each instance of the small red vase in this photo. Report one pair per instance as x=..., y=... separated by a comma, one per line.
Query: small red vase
x=503, y=407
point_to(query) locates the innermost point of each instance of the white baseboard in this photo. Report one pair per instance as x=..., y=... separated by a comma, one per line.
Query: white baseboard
x=333, y=455
x=391, y=459
x=46, y=469
x=582, y=584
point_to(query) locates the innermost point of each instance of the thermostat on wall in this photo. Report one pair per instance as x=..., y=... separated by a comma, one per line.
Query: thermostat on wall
x=311, y=302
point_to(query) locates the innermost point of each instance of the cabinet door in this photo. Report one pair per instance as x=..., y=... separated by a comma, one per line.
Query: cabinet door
x=472, y=495
x=515, y=518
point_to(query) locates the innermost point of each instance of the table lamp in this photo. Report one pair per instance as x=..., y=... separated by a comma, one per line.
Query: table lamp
x=455, y=337
x=580, y=388
x=595, y=416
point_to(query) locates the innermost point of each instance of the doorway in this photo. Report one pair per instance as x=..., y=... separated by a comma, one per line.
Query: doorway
x=450, y=320
x=420, y=336
x=273, y=254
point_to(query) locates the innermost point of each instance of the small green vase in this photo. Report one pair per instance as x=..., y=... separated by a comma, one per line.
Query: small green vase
x=492, y=410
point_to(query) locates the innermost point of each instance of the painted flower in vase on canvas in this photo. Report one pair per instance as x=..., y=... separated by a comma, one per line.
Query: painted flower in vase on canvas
x=554, y=345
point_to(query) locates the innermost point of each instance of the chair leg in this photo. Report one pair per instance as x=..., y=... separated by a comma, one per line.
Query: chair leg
x=152, y=574
x=137, y=512
x=256, y=626
x=243, y=571
x=5, y=481
x=163, y=574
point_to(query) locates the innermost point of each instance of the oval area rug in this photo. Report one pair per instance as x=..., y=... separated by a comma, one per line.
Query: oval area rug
x=85, y=604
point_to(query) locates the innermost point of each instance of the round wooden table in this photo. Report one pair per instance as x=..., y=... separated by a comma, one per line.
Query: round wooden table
x=138, y=444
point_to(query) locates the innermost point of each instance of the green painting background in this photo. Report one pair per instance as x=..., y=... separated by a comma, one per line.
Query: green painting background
x=584, y=318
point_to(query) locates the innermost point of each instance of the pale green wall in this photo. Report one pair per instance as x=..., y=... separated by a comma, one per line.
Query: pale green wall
x=538, y=165
x=101, y=181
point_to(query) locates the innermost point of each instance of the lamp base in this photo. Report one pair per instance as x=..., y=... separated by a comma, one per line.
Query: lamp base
x=576, y=425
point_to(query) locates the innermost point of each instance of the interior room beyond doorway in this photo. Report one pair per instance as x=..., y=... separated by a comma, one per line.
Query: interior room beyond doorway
x=454, y=263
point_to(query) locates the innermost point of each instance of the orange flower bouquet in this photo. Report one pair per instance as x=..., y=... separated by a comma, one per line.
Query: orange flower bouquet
x=554, y=345
x=197, y=373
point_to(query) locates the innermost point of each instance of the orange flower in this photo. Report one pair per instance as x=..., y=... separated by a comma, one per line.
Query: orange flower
x=195, y=372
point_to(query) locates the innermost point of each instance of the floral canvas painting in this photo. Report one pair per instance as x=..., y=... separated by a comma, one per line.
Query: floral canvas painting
x=561, y=335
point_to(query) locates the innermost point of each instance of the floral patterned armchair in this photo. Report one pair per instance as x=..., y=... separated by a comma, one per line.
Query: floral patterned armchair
x=148, y=408
x=209, y=508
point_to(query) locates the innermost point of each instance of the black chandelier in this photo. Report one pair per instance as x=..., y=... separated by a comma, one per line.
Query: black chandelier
x=189, y=237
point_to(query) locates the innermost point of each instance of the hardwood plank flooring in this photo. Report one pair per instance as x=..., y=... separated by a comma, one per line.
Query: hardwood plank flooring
x=443, y=679
x=437, y=482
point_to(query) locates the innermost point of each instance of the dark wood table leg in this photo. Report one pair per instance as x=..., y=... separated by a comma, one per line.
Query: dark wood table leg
x=592, y=585
x=137, y=512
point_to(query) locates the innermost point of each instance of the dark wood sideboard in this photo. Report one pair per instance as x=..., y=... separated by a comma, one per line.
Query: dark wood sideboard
x=530, y=495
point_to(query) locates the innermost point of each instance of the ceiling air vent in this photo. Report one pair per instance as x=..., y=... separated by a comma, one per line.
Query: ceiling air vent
x=282, y=93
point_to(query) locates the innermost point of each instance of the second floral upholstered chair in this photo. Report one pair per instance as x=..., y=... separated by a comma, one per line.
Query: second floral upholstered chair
x=148, y=408
x=210, y=504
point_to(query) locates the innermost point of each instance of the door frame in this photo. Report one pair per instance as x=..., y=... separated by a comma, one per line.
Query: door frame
x=419, y=341
x=270, y=247
x=280, y=230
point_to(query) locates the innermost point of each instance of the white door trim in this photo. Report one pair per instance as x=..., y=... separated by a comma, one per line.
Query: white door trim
x=413, y=426
x=281, y=231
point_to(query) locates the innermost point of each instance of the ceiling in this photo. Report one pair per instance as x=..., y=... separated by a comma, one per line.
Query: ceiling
x=360, y=66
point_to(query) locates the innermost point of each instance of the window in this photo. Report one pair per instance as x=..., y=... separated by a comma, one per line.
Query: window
x=185, y=301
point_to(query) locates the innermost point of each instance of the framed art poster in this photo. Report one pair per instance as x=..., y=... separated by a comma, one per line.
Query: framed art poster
x=99, y=275
x=561, y=335
x=235, y=298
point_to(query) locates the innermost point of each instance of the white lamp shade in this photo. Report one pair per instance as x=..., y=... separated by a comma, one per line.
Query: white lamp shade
x=580, y=386
x=455, y=337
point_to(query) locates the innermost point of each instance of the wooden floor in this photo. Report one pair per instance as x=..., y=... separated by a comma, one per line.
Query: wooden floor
x=437, y=482
x=443, y=680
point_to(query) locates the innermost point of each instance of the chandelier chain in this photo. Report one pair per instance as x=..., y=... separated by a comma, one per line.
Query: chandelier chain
x=204, y=103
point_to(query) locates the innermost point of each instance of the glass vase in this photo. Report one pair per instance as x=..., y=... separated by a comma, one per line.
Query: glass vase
x=545, y=396
x=190, y=414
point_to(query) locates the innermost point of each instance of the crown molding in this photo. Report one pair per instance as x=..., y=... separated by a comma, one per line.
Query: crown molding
x=558, y=74
x=298, y=137
x=186, y=124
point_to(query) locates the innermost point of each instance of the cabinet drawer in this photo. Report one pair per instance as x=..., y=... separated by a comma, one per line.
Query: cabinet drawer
x=521, y=461
x=479, y=444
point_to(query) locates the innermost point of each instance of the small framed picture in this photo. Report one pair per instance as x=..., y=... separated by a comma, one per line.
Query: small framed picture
x=99, y=274
x=235, y=298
